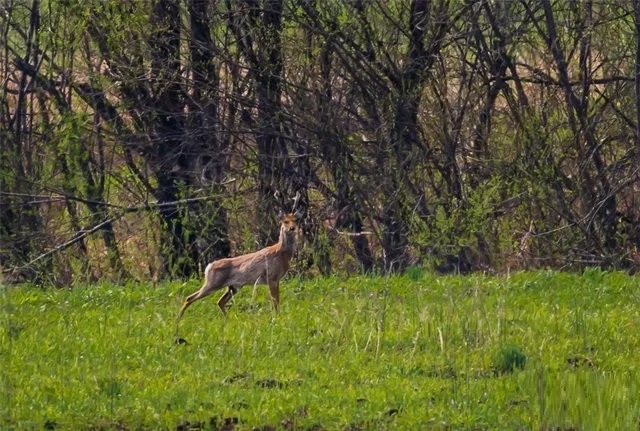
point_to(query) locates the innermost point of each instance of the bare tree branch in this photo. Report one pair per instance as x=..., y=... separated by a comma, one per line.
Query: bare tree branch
x=122, y=211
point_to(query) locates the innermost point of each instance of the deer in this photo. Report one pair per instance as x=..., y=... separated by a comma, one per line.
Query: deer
x=265, y=266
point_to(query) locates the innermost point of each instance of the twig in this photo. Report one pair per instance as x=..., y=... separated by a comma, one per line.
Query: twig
x=80, y=235
x=127, y=209
x=77, y=237
x=363, y=233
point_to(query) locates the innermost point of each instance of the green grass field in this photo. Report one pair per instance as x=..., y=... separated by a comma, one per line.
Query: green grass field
x=530, y=351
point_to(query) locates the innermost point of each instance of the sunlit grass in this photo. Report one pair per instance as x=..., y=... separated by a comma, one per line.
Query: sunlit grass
x=528, y=351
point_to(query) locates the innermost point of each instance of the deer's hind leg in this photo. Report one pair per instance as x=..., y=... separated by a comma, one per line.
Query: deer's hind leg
x=224, y=299
x=207, y=289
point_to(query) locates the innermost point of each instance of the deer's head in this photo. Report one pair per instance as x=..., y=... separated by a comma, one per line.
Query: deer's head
x=290, y=220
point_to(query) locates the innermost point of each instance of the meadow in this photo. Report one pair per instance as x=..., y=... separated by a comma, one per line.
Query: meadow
x=527, y=351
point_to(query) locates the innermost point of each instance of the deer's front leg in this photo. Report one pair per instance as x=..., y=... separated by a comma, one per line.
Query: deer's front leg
x=274, y=290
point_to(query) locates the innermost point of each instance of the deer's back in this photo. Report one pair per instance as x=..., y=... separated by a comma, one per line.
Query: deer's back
x=250, y=268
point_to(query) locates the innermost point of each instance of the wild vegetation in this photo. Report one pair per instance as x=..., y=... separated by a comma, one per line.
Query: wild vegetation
x=530, y=351
x=143, y=139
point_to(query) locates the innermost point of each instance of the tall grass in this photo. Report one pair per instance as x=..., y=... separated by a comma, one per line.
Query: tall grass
x=531, y=351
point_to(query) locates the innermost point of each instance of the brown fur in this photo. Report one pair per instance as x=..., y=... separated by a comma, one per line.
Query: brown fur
x=266, y=266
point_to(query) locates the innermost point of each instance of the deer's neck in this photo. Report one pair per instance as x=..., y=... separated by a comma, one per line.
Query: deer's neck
x=286, y=243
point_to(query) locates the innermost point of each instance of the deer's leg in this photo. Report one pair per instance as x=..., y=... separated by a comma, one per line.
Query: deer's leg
x=193, y=298
x=222, y=302
x=274, y=290
x=207, y=288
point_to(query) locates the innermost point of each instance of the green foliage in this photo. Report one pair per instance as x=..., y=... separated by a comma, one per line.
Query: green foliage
x=72, y=155
x=455, y=225
x=509, y=358
x=414, y=272
x=410, y=352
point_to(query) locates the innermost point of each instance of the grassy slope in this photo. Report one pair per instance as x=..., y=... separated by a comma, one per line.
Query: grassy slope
x=419, y=352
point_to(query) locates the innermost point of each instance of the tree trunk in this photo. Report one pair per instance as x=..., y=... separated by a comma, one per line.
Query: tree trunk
x=169, y=156
x=336, y=154
x=210, y=219
x=404, y=135
x=20, y=223
x=595, y=193
x=635, y=237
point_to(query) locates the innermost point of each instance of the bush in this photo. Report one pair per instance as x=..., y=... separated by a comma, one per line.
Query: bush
x=509, y=358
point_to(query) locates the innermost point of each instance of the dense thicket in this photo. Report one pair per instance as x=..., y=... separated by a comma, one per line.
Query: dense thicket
x=144, y=138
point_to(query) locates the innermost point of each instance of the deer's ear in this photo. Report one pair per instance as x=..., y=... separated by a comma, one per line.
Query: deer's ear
x=298, y=215
x=280, y=214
